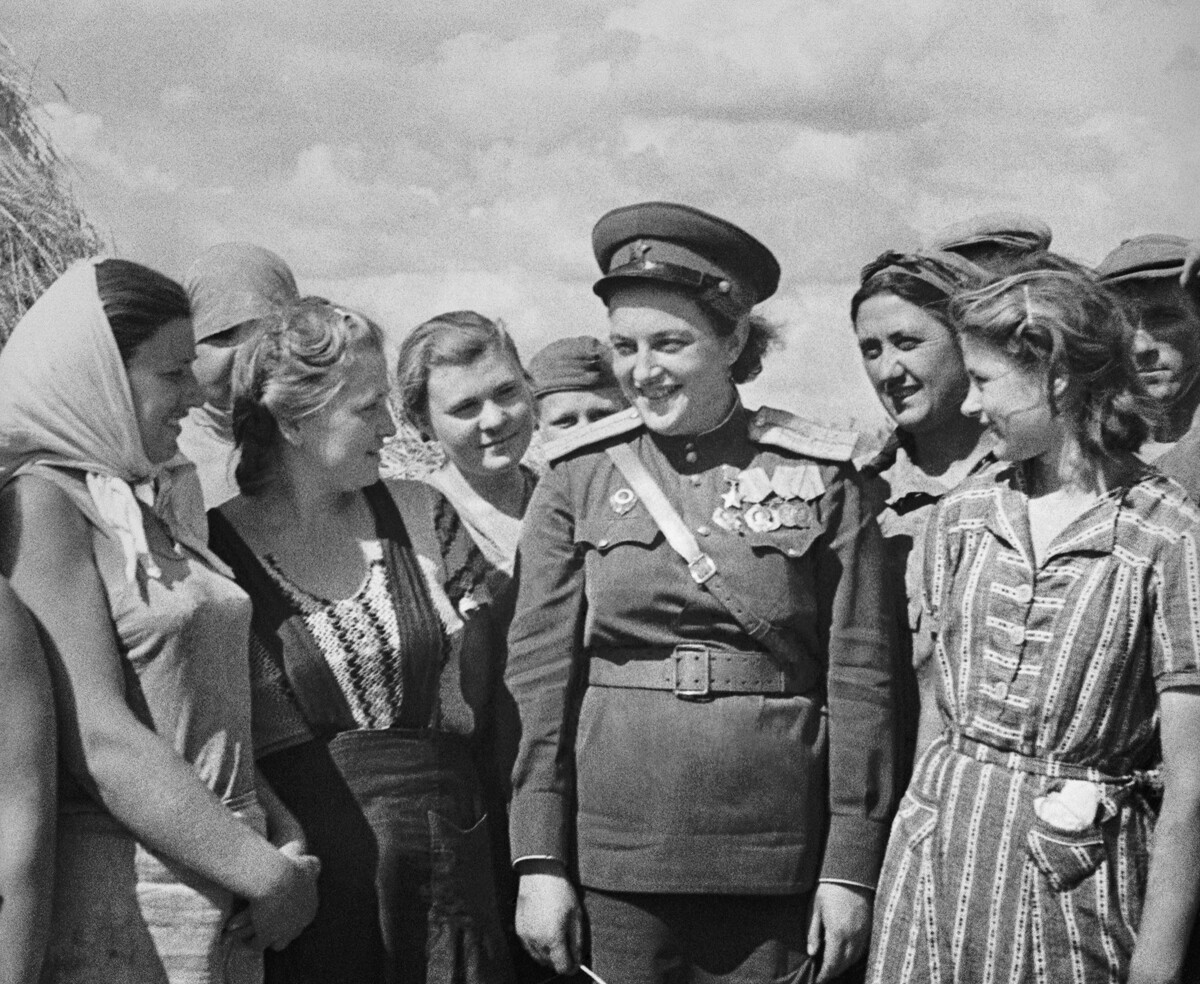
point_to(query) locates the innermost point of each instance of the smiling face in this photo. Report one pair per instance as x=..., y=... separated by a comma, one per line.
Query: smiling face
x=481, y=413
x=342, y=441
x=1011, y=400
x=672, y=365
x=163, y=387
x=1166, y=347
x=565, y=410
x=912, y=361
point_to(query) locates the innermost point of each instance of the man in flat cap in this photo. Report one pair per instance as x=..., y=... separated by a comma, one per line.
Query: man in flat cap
x=1152, y=273
x=992, y=241
x=574, y=385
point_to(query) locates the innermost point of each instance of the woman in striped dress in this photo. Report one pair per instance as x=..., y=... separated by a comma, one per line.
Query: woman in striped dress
x=1064, y=590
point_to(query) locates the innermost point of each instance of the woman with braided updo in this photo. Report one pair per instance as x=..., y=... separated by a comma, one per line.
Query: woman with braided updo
x=369, y=660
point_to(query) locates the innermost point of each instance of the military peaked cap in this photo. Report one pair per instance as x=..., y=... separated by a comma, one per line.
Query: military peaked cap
x=684, y=247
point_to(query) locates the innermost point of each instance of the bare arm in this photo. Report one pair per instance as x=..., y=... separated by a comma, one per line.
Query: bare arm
x=45, y=549
x=27, y=794
x=1173, y=890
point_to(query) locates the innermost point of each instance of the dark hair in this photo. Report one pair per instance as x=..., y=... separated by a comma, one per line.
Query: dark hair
x=1063, y=321
x=456, y=338
x=906, y=287
x=286, y=373
x=137, y=302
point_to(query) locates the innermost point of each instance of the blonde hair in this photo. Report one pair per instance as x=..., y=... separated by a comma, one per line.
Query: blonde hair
x=289, y=371
x=457, y=338
x=1064, y=322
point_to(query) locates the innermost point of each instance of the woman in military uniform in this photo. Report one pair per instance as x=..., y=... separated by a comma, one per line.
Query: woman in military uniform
x=699, y=655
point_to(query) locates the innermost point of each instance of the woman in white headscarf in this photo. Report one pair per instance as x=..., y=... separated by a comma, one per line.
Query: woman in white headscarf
x=161, y=837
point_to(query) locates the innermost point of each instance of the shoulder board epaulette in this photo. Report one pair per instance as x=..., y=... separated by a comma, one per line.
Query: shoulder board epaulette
x=614, y=425
x=807, y=437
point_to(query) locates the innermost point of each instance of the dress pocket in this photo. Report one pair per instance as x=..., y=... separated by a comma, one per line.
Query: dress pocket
x=917, y=817
x=1066, y=858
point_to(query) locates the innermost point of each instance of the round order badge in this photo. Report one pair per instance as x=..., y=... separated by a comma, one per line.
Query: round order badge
x=761, y=519
x=622, y=501
x=794, y=514
x=727, y=519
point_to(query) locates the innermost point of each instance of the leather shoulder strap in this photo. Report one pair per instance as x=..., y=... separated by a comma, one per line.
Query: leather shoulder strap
x=701, y=566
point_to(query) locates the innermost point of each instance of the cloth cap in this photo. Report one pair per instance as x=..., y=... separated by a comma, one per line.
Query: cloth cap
x=947, y=272
x=684, y=247
x=232, y=283
x=579, y=363
x=1009, y=232
x=1143, y=258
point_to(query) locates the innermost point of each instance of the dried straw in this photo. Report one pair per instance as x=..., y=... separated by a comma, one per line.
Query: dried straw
x=42, y=228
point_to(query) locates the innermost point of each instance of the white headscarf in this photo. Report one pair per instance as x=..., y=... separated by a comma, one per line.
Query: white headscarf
x=65, y=402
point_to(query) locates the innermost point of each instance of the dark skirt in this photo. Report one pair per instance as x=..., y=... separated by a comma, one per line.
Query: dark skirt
x=406, y=889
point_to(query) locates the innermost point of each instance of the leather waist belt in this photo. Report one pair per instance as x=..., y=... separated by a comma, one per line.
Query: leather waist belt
x=695, y=671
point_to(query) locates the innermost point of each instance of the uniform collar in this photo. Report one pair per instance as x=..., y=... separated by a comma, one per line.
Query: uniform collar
x=909, y=485
x=689, y=453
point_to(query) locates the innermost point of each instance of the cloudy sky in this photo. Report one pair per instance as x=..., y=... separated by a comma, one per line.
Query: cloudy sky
x=415, y=156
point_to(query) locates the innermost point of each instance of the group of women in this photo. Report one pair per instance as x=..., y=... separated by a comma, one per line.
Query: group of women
x=676, y=684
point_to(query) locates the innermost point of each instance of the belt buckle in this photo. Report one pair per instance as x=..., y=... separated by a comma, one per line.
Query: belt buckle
x=692, y=693
x=702, y=568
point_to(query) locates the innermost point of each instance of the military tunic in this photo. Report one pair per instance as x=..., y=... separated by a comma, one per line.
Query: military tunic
x=642, y=791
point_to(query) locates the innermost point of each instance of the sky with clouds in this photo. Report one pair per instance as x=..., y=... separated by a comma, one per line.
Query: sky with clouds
x=417, y=156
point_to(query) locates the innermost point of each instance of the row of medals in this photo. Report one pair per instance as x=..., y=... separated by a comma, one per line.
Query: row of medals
x=756, y=501
x=761, y=503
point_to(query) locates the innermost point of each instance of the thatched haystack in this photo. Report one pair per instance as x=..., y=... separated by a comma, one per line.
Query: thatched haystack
x=42, y=228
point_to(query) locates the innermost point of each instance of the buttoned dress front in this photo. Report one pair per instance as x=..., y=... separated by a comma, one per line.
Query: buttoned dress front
x=637, y=790
x=1049, y=671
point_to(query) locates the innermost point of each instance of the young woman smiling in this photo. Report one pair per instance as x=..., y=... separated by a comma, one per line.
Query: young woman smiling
x=699, y=654
x=1062, y=595
x=461, y=384
x=161, y=835
x=911, y=356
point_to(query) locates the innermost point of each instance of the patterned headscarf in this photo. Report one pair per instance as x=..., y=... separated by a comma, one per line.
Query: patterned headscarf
x=947, y=272
x=66, y=403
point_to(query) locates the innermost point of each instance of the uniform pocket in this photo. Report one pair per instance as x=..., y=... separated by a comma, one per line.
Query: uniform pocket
x=603, y=535
x=792, y=543
x=1066, y=858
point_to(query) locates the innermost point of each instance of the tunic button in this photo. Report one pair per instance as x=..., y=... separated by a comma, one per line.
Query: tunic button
x=1016, y=636
x=696, y=480
x=1000, y=691
x=793, y=552
x=691, y=457
x=703, y=530
x=1024, y=594
x=602, y=543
